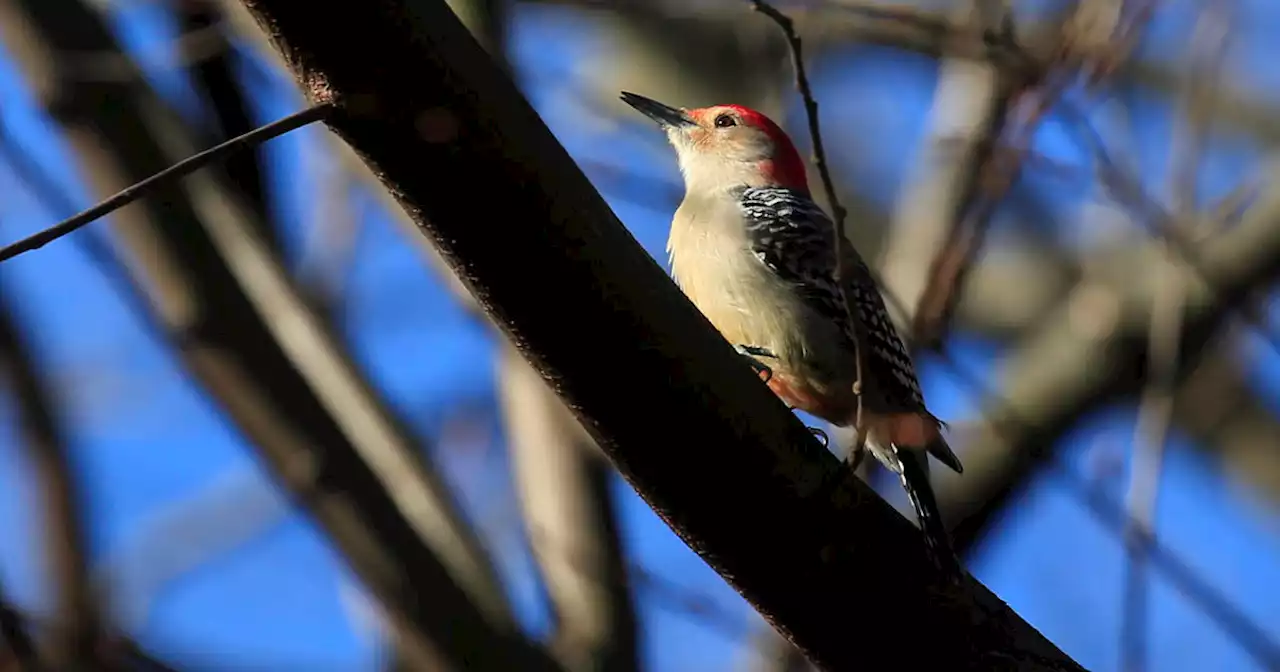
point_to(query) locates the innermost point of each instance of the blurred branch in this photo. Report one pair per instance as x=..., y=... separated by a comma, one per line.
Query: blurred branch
x=203, y=526
x=1094, y=40
x=1155, y=412
x=245, y=334
x=1254, y=640
x=1154, y=415
x=21, y=649
x=966, y=120
x=932, y=32
x=77, y=622
x=1220, y=410
x=214, y=77
x=563, y=484
x=1094, y=348
x=1114, y=518
x=772, y=529
x=1125, y=189
x=330, y=242
x=562, y=480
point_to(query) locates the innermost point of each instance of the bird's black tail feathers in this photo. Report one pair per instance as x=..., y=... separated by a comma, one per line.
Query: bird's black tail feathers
x=915, y=480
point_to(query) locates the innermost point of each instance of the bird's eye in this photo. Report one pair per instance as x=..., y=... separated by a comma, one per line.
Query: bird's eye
x=725, y=121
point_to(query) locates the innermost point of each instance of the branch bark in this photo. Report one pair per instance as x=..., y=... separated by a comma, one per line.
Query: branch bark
x=435, y=119
x=244, y=332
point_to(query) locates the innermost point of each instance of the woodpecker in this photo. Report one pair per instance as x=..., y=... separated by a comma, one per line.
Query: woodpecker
x=753, y=251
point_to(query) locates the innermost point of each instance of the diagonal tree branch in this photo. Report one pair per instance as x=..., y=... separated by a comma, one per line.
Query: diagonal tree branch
x=786, y=542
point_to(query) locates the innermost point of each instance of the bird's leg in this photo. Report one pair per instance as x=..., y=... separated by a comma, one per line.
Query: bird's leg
x=857, y=453
x=751, y=352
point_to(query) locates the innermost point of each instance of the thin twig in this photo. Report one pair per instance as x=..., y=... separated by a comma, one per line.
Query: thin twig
x=178, y=170
x=837, y=210
x=55, y=201
x=810, y=105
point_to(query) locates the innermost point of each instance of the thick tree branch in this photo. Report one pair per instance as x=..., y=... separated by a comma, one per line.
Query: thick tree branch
x=436, y=119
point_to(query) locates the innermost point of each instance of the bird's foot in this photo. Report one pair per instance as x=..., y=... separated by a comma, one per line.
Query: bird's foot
x=822, y=436
x=751, y=352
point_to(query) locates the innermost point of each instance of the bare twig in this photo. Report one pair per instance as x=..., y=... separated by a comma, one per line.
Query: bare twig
x=57, y=203
x=810, y=105
x=178, y=170
x=787, y=26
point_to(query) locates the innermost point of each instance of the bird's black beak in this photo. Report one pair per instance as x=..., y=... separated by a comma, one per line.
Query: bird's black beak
x=666, y=115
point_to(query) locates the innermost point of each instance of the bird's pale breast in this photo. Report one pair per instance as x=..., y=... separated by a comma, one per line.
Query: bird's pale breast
x=713, y=264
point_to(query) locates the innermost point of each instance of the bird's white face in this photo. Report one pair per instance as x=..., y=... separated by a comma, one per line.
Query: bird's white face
x=722, y=149
x=725, y=146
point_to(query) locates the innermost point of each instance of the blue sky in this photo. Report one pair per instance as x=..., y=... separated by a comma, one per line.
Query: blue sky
x=148, y=444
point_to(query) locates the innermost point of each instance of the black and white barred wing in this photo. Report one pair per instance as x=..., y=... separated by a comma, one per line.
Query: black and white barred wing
x=793, y=236
x=888, y=361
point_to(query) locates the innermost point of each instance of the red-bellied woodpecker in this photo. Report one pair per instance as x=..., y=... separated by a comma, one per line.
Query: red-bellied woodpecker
x=756, y=255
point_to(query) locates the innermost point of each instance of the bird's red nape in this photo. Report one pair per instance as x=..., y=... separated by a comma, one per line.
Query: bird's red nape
x=786, y=168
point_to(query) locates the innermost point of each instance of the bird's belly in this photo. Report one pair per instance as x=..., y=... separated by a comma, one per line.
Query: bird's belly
x=814, y=369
